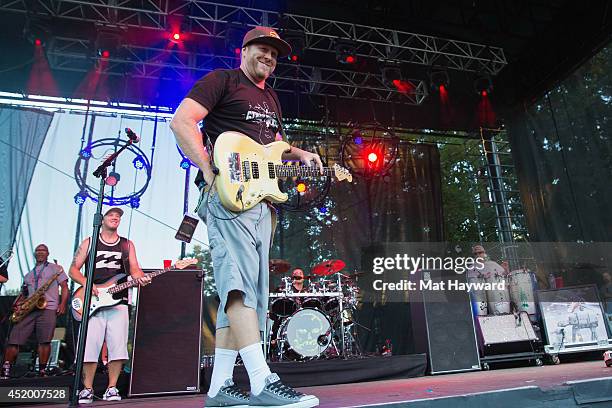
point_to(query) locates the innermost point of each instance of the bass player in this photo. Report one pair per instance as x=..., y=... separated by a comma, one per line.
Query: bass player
x=115, y=255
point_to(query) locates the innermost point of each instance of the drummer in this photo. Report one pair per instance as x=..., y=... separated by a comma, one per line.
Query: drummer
x=297, y=281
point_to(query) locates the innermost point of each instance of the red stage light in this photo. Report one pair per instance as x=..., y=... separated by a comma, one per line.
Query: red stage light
x=105, y=54
x=237, y=51
x=301, y=187
x=176, y=36
x=349, y=59
x=294, y=58
x=37, y=42
x=372, y=157
x=484, y=93
x=442, y=88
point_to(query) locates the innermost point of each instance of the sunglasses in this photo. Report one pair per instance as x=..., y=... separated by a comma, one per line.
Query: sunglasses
x=297, y=278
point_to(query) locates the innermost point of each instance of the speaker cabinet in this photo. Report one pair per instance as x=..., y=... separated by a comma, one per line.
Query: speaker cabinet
x=443, y=325
x=167, y=335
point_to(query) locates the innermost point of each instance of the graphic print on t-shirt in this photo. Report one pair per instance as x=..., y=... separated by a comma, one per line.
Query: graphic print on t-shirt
x=108, y=259
x=261, y=114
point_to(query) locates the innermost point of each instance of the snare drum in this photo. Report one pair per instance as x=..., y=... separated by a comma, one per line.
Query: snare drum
x=306, y=334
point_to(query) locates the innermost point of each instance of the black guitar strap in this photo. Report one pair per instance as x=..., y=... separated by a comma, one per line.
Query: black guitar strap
x=281, y=129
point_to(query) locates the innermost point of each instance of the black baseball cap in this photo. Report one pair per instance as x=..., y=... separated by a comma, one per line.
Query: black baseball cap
x=114, y=209
x=269, y=36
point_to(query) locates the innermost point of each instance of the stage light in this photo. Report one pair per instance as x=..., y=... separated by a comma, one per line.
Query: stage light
x=301, y=187
x=346, y=51
x=108, y=40
x=392, y=73
x=483, y=85
x=358, y=140
x=438, y=78
x=185, y=163
x=233, y=37
x=85, y=153
x=372, y=157
x=80, y=198
x=176, y=36
x=135, y=202
x=323, y=210
x=297, y=40
x=37, y=31
x=112, y=179
x=138, y=163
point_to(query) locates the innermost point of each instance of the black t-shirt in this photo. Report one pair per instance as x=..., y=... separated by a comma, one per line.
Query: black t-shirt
x=235, y=103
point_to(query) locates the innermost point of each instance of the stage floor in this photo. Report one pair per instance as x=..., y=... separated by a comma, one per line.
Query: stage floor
x=421, y=389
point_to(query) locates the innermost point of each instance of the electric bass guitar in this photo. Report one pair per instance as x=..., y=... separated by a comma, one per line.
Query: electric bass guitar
x=249, y=172
x=112, y=292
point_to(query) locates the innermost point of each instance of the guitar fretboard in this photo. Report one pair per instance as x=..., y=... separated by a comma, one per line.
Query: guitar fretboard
x=129, y=284
x=302, y=171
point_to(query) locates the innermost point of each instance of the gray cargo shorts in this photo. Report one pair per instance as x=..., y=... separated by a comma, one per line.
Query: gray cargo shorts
x=240, y=250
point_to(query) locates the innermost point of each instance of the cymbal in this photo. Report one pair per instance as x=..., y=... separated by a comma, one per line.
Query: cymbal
x=328, y=267
x=279, y=266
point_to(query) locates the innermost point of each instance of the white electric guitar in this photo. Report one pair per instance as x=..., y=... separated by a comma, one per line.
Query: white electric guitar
x=249, y=171
x=111, y=292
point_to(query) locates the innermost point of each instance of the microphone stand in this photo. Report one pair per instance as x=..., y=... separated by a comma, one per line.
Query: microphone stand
x=100, y=172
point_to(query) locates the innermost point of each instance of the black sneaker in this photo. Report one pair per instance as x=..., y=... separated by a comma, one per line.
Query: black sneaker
x=228, y=396
x=277, y=394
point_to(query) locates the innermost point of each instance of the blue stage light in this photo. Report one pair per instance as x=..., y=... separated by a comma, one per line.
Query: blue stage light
x=80, y=198
x=323, y=210
x=185, y=163
x=135, y=202
x=85, y=153
x=138, y=163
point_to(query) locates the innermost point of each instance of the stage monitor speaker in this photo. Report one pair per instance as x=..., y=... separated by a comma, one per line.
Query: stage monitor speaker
x=166, y=351
x=507, y=334
x=442, y=323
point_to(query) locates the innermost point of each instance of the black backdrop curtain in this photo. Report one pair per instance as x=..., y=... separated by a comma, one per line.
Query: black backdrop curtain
x=563, y=154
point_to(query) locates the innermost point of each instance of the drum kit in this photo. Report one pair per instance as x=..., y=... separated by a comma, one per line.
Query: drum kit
x=315, y=322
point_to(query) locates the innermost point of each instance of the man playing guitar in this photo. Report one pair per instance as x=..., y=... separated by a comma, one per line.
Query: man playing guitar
x=240, y=100
x=115, y=255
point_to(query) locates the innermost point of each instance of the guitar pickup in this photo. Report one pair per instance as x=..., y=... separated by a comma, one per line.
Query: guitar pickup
x=255, y=168
x=271, y=172
x=246, y=170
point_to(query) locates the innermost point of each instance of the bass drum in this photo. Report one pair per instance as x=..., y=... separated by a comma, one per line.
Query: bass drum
x=305, y=335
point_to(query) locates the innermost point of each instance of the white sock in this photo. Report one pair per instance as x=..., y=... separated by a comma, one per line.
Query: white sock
x=256, y=366
x=223, y=368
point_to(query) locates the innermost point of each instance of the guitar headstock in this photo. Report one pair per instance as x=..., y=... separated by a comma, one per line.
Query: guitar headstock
x=183, y=263
x=342, y=174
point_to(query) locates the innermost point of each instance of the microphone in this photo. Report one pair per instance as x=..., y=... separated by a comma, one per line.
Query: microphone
x=132, y=136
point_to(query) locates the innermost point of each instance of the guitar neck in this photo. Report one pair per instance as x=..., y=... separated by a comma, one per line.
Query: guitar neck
x=303, y=171
x=129, y=284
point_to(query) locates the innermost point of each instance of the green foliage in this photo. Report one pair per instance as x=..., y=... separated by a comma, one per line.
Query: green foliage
x=205, y=263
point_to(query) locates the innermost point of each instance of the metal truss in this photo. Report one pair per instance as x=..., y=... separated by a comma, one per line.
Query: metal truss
x=75, y=54
x=210, y=19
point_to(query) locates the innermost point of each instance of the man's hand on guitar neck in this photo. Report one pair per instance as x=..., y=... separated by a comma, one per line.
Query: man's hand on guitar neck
x=305, y=157
x=144, y=280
